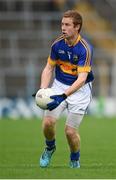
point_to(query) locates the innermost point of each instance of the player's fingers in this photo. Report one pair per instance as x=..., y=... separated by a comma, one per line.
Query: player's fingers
x=33, y=95
x=53, y=107
x=50, y=104
x=53, y=97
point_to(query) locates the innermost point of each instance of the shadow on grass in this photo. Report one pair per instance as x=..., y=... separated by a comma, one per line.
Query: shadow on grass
x=58, y=167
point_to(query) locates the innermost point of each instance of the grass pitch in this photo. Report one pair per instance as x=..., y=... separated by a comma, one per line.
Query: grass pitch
x=22, y=142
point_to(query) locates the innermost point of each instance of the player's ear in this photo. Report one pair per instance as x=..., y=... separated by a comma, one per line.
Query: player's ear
x=78, y=27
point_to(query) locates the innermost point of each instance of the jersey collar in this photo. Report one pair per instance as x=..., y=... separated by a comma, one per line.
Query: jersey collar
x=76, y=41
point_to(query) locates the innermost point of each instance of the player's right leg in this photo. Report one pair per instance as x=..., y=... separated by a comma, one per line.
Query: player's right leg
x=49, y=133
x=49, y=123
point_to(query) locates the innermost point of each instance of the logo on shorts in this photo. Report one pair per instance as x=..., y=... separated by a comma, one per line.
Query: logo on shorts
x=81, y=109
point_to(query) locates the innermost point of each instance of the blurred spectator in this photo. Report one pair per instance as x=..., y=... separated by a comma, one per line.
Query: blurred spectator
x=62, y=5
x=58, y=5
x=52, y=5
x=3, y=6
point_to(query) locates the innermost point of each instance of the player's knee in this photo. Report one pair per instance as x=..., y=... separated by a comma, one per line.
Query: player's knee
x=70, y=132
x=48, y=122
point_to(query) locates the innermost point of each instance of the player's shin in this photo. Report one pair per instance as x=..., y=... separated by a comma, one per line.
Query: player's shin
x=50, y=144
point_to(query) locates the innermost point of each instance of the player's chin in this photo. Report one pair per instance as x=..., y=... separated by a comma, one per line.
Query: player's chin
x=65, y=35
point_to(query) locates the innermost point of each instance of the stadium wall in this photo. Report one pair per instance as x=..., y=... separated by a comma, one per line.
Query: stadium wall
x=26, y=108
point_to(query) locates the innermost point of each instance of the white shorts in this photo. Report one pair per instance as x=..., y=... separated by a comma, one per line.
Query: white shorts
x=76, y=104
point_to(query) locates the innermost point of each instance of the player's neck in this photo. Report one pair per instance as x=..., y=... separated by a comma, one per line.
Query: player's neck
x=72, y=41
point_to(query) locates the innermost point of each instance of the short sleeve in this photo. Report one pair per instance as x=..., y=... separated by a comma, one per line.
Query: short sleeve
x=53, y=56
x=85, y=59
x=53, y=53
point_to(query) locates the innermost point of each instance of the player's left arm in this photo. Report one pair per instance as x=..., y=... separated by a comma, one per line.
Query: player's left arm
x=74, y=87
x=77, y=84
x=84, y=67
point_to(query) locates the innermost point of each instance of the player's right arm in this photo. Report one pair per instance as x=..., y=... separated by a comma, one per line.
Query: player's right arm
x=47, y=75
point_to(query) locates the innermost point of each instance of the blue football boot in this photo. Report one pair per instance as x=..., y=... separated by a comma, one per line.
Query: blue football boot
x=46, y=157
x=75, y=164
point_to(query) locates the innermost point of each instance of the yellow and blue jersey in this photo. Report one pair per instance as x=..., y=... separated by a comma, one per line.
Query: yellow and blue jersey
x=71, y=60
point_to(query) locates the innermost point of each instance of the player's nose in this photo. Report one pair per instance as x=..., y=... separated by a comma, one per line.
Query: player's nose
x=63, y=27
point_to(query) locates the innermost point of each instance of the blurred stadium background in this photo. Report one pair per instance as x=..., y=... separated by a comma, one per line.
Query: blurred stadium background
x=27, y=29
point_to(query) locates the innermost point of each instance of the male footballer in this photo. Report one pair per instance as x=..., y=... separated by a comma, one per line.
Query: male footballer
x=71, y=58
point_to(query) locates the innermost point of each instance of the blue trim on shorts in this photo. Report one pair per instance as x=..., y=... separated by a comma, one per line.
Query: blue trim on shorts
x=90, y=87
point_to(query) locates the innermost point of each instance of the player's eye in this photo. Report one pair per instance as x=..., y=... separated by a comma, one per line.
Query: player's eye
x=62, y=24
x=67, y=24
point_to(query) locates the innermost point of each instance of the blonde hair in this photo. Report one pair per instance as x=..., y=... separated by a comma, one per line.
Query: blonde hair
x=77, y=18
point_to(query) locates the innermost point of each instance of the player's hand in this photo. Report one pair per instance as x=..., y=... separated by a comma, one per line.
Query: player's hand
x=34, y=94
x=57, y=100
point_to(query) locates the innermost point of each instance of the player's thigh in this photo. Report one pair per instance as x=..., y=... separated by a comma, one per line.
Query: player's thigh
x=78, y=102
x=55, y=114
x=58, y=89
x=74, y=120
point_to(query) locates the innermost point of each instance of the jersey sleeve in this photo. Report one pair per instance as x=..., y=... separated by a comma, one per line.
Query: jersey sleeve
x=85, y=59
x=53, y=56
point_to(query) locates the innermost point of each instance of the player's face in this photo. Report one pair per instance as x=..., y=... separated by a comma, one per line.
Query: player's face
x=68, y=29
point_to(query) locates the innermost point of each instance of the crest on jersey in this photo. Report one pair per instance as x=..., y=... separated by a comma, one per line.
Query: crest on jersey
x=75, y=58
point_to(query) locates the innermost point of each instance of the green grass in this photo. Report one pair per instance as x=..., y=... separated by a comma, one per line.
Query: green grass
x=22, y=142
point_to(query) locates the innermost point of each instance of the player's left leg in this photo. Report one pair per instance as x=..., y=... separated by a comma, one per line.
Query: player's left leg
x=77, y=106
x=73, y=138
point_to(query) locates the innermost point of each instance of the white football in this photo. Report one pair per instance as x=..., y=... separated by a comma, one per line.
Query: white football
x=42, y=97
